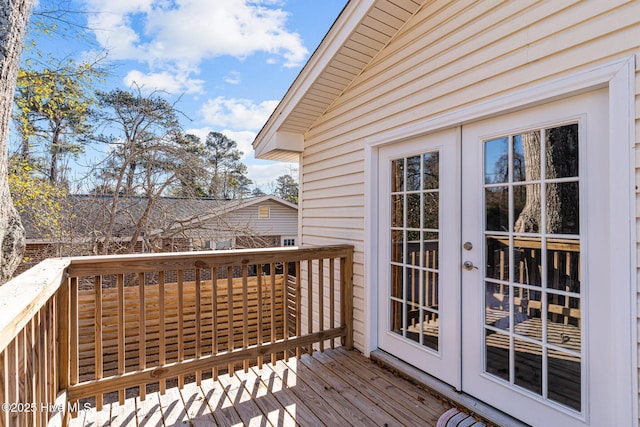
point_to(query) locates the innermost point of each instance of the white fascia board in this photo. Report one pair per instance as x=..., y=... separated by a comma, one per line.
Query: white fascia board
x=337, y=36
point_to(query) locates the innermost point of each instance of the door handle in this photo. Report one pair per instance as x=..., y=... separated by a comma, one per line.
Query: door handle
x=468, y=265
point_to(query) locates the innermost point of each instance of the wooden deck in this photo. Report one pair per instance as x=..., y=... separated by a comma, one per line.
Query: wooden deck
x=334, y=388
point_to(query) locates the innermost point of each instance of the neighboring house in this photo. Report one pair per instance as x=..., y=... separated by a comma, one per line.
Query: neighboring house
x=173, y=224
x=481, y=156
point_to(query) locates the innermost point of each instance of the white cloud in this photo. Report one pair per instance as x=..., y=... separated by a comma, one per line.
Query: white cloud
x=175, y=83
x=188, y=31
x=263, y=173
x=237, y=114
x=233, y=78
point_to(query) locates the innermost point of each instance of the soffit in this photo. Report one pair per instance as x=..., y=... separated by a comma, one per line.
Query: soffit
x=362, y=30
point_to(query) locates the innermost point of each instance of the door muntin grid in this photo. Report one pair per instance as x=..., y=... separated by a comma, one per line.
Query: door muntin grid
x=414, y=311
x=533, y=336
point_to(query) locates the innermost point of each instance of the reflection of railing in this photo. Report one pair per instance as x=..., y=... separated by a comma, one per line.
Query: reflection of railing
x=563, y=275
x=86, y=327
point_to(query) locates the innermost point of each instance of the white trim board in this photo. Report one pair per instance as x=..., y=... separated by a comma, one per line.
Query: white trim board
x=618, y=76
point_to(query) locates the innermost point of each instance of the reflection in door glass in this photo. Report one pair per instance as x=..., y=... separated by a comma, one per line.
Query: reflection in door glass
x=414, y=230
x=533, y=337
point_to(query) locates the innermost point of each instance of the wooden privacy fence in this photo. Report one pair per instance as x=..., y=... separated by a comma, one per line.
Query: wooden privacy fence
x=106, y=327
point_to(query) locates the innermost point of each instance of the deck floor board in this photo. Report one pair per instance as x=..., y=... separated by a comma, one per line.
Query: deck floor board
x=337, y=387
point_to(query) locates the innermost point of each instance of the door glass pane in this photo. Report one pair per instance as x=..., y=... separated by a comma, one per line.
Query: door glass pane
x=430, y=289
x=496, y=304
x=397, y=246
x=497, y=354
x=413, y=210
x=413, y=173
x=526, y=157
x=431, y=209
x=562, y=208
x=527, y=262
x=497, y=208
x=397, y=210
x=564, y=378
x=527, y=322
x=563, y=322
x=527, y=358
x=413, y=248
x=496, y=161
x=563, y=264
x=533, y=301
x=430, y=247
x=562, y=151
x=431, y=171
x=430, y=329
x=497, y=254
x=527, y=208
x=397, y=175
x=415, y=240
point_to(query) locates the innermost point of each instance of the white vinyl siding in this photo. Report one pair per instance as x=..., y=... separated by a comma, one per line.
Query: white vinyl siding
x=448, y=56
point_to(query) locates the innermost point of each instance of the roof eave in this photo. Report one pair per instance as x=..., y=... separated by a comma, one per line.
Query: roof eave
x=266, y=143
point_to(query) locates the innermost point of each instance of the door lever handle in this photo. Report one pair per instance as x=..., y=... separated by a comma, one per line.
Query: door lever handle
x=468, y=265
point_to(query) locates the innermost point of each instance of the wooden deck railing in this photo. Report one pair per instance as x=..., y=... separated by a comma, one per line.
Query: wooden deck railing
x=90, y=329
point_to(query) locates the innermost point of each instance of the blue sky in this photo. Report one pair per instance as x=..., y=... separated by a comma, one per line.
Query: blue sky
x=231, y=61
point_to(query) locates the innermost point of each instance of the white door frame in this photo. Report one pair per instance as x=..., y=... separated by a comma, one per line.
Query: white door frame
x=619, y=77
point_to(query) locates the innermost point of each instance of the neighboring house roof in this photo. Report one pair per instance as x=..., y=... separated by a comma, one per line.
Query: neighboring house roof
x=88, y=214
x=361, y=31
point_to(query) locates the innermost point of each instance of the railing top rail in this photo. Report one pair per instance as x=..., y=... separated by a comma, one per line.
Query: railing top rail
x=22, y=297
x=96, y=265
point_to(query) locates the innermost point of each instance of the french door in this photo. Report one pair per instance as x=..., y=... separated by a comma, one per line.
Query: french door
x=420, y=209
x=492, y=260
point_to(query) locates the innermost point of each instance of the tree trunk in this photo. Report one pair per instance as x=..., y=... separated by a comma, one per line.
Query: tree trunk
x=529, y=218
x=14, y=16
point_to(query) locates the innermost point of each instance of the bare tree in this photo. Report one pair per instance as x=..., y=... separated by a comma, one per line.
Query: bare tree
x=14, y=17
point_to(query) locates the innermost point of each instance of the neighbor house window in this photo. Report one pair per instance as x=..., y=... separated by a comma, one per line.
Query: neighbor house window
x=288, y=242
x=264, y=212
x=223, y=244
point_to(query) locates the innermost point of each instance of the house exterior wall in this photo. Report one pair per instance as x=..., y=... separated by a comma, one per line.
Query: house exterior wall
x=245, y=221
x=450, y=55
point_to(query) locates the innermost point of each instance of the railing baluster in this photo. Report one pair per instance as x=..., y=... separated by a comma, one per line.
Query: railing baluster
x=285, y=303
x=298, y=308
x=142, y=333
x=214, y=317
x=230, y=343
x=260, y=314
x=245, y=315
x=21, y=376
x=180, y=323
x=321, y=299
x=198, y=322
x=12, y=373
x=332, y=296
x=97, y=284
x=4, y=391
x=41, y=350
x=272, y=281
x=310, y=303
x=162, y=351
x=121, y=333
x=46, y=310
x=73, y=332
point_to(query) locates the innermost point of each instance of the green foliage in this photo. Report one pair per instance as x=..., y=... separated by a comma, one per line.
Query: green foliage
x=287, y=188
x=41, y=205
x=52, y=111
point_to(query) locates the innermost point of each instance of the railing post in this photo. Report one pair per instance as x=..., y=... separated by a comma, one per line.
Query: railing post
x=346, y=298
